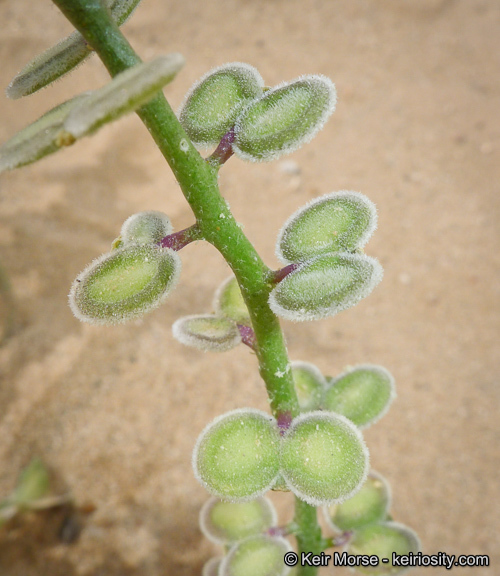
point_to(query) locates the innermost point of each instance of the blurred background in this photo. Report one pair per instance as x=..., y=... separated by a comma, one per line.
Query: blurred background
x=115, y=412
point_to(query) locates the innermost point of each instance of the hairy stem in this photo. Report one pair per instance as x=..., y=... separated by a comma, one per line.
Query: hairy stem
x=214, y=220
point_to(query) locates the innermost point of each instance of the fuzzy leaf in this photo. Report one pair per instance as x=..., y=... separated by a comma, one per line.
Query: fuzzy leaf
x=324, y=286
x=211, y=567
x=207, y=332
x=260, y=555
x=370, y=504
x=337, y=222
x=227, y=522
x=124, y=284
x=383, y=539
x=362, y=394
x=284, y=118
x=63, y=57
x=127, y=92
x=39, y=139
x=323, y=458
x=212, y=104
x=236, y=456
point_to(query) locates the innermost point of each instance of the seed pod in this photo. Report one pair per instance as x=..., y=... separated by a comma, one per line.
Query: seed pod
x=211, y=105
x=207, y=332
x=337, y=222
x=124, y=284
x=362, y=394
x=310, y=385
x=371, y=504
x=323, y=458
x=229, y=302
x=324, y=286
x=227, y=522
x=284, y=118
x=39, y=139
x=257, y=556
x=127, y=92
x=63, y=57
x=383, y=539
x=236, y=456
x=147, y=227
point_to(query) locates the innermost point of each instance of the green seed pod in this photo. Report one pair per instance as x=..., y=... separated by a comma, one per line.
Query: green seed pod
x=227, y=522
x=33, y=484
x=310, y=385
x=337, y=222
x=207, y=332
x=236, y=457
x=229, y=302
x=211, y=567
x=127, y=92
x=124, y=284
x=63, y=57
x=257, y=556
x=284, y=118
x=371, y=504
x=39, y=139
x=324, y=286
x=324, y=458
x=362, y=394
x=212, y=104
x=383, y=539
x=147, y=227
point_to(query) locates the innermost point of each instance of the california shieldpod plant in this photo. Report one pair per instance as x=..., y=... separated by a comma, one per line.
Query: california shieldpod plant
x=309, y=444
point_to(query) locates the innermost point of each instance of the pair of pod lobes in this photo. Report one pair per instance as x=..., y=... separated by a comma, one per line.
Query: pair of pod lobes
x=249, y=534
x=321, y=241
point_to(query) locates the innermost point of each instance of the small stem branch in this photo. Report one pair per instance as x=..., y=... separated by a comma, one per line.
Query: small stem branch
x=276, y=276
x=178, y=240
x=224, y=150
x=247, y=335
x=340, y=540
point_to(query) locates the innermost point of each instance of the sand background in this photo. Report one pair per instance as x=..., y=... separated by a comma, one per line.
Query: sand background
x=115, y=412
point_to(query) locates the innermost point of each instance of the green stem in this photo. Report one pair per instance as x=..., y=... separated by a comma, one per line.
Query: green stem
x=309, y=537
x=198, y=182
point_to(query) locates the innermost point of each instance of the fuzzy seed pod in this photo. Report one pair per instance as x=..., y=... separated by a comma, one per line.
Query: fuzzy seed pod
x=147, y=227
x=284, y=118
x=257, y=556
x=124, y=284
x=210, y=107
x=383, y=539
x=324, y=286
x=362, y=394
x=227, y=522
x=229, y=302
x=310, y=385
x=236, y=457
x=337, y=222
x=371, y=504
x=207, y=332
x=323, y=458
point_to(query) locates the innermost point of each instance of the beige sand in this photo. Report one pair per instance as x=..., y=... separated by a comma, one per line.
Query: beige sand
x=115, y=412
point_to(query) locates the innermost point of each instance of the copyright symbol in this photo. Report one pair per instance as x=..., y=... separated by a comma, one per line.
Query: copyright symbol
x=291, y=559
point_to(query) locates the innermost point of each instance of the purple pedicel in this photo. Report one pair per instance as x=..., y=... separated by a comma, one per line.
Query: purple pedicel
x=224, y=150
x=178, y=240
x=284, y=421
x=247, y=335
x=278, y=275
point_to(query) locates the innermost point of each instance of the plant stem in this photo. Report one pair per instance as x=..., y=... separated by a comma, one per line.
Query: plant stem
x=215, y=222
x=309, y=536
